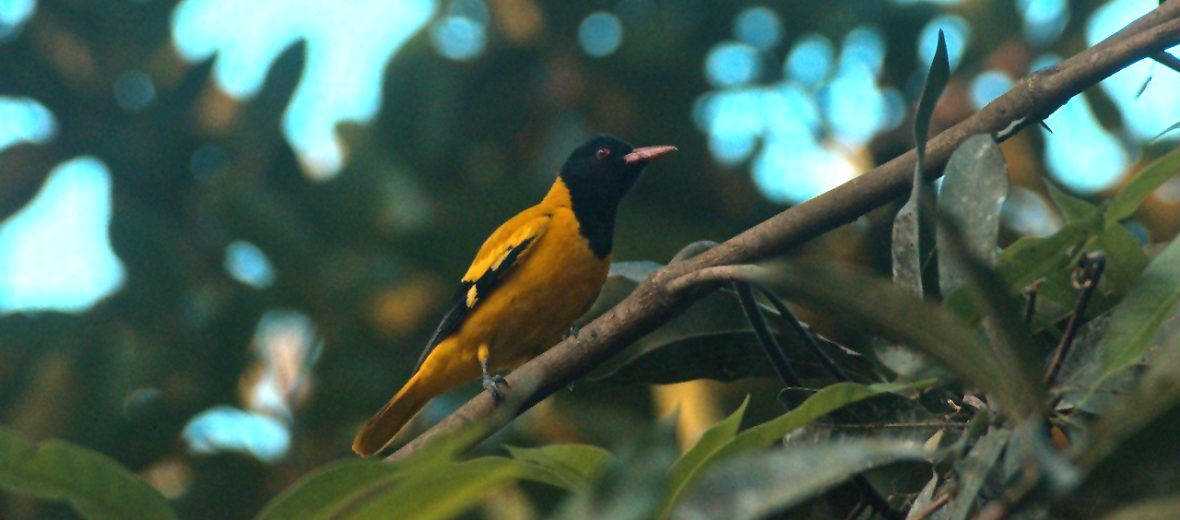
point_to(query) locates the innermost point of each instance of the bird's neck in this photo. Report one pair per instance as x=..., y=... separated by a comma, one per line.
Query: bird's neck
x=594, y=211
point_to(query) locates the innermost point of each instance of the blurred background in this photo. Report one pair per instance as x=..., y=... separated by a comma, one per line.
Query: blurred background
x=227, y=227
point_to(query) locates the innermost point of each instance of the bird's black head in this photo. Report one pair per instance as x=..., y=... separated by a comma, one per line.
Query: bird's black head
x=598, y=174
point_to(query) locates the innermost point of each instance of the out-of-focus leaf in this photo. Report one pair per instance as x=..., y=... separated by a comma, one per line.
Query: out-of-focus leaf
x=686, y=467
x=896, y=315
x=825, y=401
x=974, y=186
x=579, y=465
x=1074, y=209
x=1031, y=258
x=96, y=486
x=973, y=471
x=1167, y=508
x=633, y=483
x=437, y=491
x=757, y=485
x=723, y=356
x=1127, y=201
x=636, y=270
x=1136, y=320
x=924, y=499
x=1125, y=259
x=318, y=492
x=911, y=229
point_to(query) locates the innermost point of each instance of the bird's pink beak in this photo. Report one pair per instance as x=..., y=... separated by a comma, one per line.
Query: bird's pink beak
x=647, y=154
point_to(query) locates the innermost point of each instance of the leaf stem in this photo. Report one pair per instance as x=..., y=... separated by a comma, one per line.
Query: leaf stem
x=1086, y=279
x=774, y=352
x=805, y=335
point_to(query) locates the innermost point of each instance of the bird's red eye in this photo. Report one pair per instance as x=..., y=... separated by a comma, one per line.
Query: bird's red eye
x=602, y=153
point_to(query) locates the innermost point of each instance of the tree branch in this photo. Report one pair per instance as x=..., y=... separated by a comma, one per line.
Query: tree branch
x=652, y=303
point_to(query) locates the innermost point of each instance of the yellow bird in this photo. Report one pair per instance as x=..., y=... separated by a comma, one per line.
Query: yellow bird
x=530, y=280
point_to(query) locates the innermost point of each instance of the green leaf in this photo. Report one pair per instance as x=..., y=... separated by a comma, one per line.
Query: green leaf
x=1136, y=320
x=898, y=316
x=911, y=229
x=1128, y=199
x=1033, y=258
x=1167, y=508
x=758, y=485
x=1125, y=259
x=686, y=467
x=1074, y=209
x=95, y=485
x=320, y=491
x=974, y=186
x=631, y=486
x=436, y=492
x=577, y=465
x=973, y=471
x=827, y=400
x=724, y=355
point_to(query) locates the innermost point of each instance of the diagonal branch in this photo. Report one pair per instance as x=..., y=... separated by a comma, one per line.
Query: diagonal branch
x=652, y=303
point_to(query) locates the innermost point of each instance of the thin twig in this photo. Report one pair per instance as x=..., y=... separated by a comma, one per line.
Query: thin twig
x=1090, y=270
x=1031, y=292
x=653, y=303
x=804, y=335
x=774, y=351
x=1167, y=60
x=932, y=508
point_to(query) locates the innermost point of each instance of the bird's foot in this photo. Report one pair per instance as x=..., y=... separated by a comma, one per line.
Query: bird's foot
x=571, y=332
x=492, y=383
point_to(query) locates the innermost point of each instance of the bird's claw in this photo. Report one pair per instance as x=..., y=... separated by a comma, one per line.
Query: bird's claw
x=571, y=332
x=492, y=382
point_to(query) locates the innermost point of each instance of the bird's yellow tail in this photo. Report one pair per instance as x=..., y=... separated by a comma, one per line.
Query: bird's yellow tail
x=376, y=434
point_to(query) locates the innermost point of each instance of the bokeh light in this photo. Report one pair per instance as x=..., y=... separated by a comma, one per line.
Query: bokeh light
x=246, y=263
x=988, y=86
x=1044, y=20
x=13, y=15
x=600, y=34
x=732, y=63
x=458, y=38
x=55, y=253
x=759, y=27
x=958, y=36
x=24, y=120
x=134, y=90
x=1148, y=114
x=339, y=83
x=810, y=59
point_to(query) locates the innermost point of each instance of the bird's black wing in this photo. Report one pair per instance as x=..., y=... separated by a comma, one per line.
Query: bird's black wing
x=470, y=293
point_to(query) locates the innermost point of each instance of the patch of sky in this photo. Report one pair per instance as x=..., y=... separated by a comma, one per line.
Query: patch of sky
x=55, y=253
x=1154, y=110
x=957, y=32
x=988, y=86
x=810, y=60
x=1044, y=20
x=348, y=44
x=13, y=15
x=731, y=63
x=1080, y=153
x=24, y=120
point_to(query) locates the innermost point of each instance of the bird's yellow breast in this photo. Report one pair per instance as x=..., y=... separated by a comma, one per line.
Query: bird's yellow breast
x=537, y=301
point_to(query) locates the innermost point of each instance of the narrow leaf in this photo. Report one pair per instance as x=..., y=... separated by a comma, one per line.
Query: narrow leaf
x=756, y=485
x=1149, y=301
x=578, y=465
x=1073, y=208
x=320, y=491
x=898, y=316
x=96, y=486
x=1128, y=199
x=686, y=467
x=973, y=471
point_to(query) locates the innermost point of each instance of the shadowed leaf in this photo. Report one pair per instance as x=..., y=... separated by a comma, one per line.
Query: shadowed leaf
x=686, y=467
x=578, y=465
x=756, y=485
x=1127, y=201
x=96, y=486
x=1135, y=321
x=973, y=471
x=974, y=186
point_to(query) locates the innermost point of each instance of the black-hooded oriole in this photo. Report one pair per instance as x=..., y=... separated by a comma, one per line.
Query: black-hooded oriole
x=529, y=281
